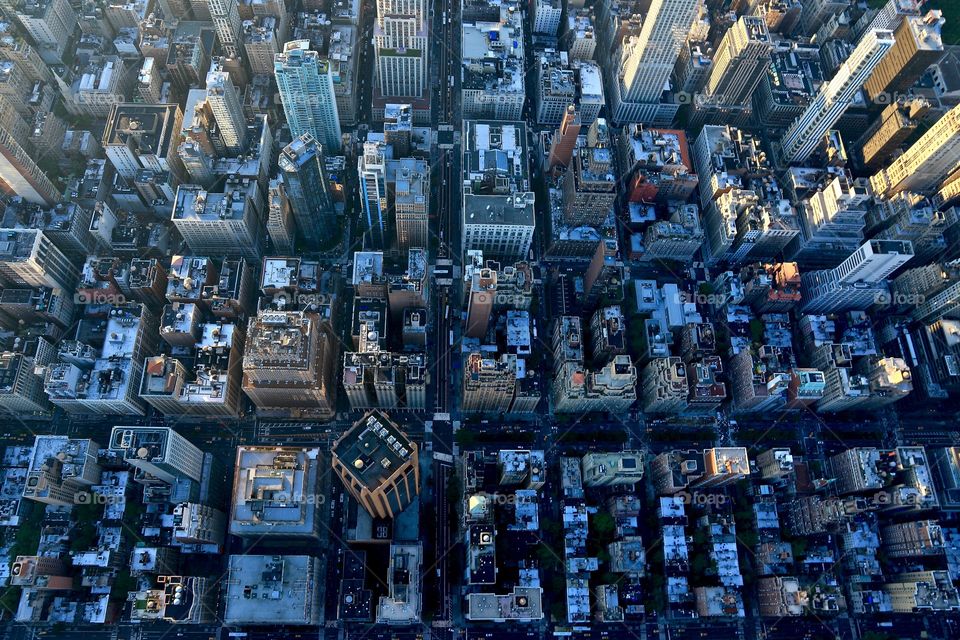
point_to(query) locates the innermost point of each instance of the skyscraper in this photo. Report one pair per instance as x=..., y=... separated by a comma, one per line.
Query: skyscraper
x=565, y=139
x=647, y=60
x=60, y=468
x=221, y=223
x=301, y=164
x=805, y=134
x=546, y=16
x=159, y=454
x=50, y=24
x=378, y=464
x=918, y=45
x=371, y=167
x=874, y=261
x=488, y=383
x=28, y=258
x=498, y=216
x=20, y=175
x=896, y=123
x=397, y=184
x=926, y=163
x=891, y=14
x=740, y=62
x=288, y=363
x=482, y=291
x=398, y=128
x=306, y=91
x=400, y=46
x=280, y=224
x=815, y=12
x=140, y=136
x=860, y=280
x=258, y=512
x=226, y=21
x=225, y=103
x=411, y=202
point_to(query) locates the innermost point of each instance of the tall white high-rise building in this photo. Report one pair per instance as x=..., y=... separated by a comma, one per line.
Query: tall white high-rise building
x=860, y=280
x=224, y=101
x=874, y=261
x=647, y=60
x=160, y=454
x=892, y=14
x=371, y=167
x=20, y=174
x=807, y=131
x=306, y=91
x=226, y=21
x=740, y=62
x=400, y=46
x=546, y=16
x=926, y=163
x=51, y=25
x=498, y=213
x=226, y=223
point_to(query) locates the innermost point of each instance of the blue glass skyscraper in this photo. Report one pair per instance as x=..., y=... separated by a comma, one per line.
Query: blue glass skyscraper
x=306, y=91
x=301, y=164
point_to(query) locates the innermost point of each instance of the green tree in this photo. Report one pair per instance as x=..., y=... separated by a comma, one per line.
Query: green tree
x=799, y=547
x=122, y=585
x=454, y=490
x=547, y=557
x=465, y=438
x=9, y=601
x=604, y=525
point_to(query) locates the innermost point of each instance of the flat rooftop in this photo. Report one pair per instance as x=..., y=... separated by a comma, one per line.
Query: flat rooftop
x=280, y=273
x=73, y=453
x=17, y=245
x=279, y=340
x=373, y=449
x=146, y=128
x=402, y=605
x=199, y=205
x=272, y=590
x=498, y=147
x=367, y=266
x=523, y=603
x=274, y=491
